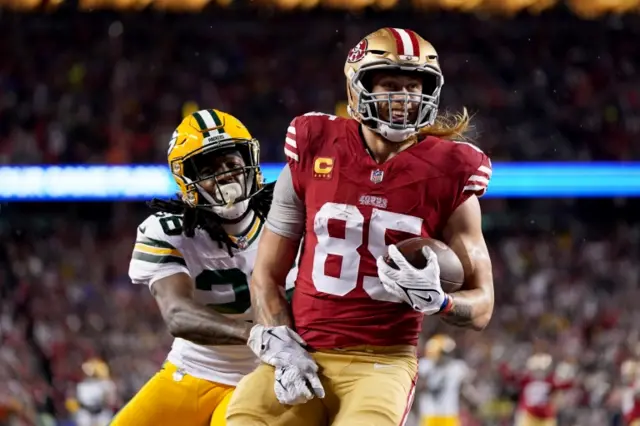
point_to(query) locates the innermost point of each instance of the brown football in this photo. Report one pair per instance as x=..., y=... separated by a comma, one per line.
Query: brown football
x=451, y=271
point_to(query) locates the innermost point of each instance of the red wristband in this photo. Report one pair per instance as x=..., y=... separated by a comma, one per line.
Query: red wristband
x=447, y=305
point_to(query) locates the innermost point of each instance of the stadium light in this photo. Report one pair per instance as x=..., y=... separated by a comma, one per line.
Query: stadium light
x=115, y=183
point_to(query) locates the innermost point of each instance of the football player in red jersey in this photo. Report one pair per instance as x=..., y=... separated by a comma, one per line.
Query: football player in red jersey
x=537, y=385
x=630, y=378
x=353, y=188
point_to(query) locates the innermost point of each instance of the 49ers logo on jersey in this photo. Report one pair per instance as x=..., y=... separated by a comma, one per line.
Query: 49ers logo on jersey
x=358, y=52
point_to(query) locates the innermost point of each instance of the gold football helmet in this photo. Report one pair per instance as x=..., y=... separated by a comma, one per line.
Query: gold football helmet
x=539, y=364
x=96, y=368
x=439, y=345
x=399, y=50
x=200, y=136
x=629, y=371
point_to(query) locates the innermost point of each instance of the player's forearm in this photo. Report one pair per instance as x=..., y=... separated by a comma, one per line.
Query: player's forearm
x=268, y=303
x=204, y=326
x=279, y=245
x=471, y=308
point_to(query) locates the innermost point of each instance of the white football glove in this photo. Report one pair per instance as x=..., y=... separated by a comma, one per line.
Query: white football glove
x=293, y=386
x=281, y=347
x=420, y=288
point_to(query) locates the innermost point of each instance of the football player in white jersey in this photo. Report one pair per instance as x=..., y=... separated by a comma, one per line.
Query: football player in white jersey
x=442, y=379
x=95, y=397
x=196, y=255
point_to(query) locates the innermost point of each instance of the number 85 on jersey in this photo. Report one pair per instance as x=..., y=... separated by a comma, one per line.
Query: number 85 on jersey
x=345, y=258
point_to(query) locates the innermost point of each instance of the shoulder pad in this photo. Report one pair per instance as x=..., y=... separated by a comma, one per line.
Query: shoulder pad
x=304, y=131
x=163, y=227
x=156, y=253
x=475, y=167
x=158, y=240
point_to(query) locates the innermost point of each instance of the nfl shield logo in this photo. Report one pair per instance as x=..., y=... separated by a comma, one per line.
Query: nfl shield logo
x=242, y=242
x=376, y=176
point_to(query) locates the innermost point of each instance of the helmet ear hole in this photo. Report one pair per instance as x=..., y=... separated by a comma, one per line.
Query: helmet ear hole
x=190, y=169
x=430, y=83
x=367, y=81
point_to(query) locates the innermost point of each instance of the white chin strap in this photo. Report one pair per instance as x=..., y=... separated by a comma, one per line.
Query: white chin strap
x=228, y=192
x=394, y=135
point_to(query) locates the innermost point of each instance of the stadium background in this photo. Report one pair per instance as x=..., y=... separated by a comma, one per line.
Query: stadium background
x=103, y=83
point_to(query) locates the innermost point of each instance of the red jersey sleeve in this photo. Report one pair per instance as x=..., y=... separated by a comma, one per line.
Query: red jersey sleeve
x=294, y=149
x=474, y=175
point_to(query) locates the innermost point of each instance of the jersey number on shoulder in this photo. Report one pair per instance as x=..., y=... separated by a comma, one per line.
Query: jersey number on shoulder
x=171, y=224
x=344, y=250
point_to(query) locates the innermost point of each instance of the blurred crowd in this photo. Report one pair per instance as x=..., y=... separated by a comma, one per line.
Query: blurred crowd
x=66, y=297
x=571, y=295
x=107, y=88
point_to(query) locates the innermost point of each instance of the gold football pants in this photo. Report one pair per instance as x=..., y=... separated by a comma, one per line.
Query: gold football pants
x=172, y=398
x=364, y=386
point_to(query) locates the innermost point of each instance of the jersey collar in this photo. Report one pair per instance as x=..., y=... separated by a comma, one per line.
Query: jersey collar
x=245, y=240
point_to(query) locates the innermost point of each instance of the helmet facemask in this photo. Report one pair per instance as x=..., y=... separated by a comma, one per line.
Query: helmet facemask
x=369, y=105
x=229, y=189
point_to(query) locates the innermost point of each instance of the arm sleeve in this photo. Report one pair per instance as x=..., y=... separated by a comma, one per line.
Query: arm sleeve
x=287, y=214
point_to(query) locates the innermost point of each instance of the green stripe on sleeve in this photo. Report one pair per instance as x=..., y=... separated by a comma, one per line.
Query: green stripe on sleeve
x=154, y=243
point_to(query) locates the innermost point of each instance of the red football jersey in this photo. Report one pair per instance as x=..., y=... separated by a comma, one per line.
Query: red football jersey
x=535, y=392
x=536, y=396
x=355, y=208
x=631, y=403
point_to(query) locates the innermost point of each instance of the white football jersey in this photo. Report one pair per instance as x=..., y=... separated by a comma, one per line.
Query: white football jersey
x=95, y=394
x=221, y=281
x=443, y=382
x=631, y=399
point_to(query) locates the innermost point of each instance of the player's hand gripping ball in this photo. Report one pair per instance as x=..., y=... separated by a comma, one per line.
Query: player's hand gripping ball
x=451, y=270
x=411, y=271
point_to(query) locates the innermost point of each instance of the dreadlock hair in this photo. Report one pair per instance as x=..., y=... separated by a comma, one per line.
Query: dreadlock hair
x=193, y=217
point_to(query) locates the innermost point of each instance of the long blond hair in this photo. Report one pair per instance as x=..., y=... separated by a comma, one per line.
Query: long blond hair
x=450, y=126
